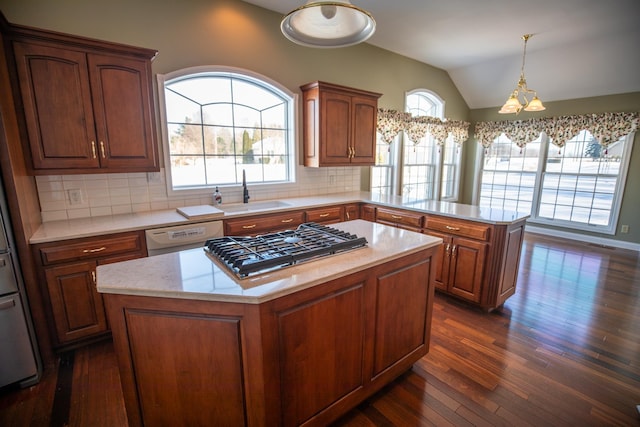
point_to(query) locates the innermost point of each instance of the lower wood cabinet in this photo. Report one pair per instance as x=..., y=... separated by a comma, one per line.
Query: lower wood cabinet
x=325, y=215
x=352, y=211
x=460, y=265
x=477, y=262
x=260, y=224
x=75, y=308
x=302, y=359
x=399, y=218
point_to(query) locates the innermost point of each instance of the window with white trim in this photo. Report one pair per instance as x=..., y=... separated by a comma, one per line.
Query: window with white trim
x=220, y=123
x=420, y=170
x=382, y=174
x=577, y=186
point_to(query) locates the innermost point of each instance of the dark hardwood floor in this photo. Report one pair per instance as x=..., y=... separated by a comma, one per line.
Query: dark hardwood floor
x=563, y=351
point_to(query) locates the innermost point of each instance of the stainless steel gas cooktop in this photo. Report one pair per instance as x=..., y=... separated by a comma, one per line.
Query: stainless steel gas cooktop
x=246, y=256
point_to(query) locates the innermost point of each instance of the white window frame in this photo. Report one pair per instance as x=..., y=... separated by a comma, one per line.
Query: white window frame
x=437, y=192
x=536, y=219
x=390, y=169
x=292, y=117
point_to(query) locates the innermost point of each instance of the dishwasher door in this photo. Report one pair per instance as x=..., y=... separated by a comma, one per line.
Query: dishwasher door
x=180, y=237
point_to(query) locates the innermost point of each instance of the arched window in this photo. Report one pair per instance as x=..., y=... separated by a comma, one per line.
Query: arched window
x=418, y=170
x=221, y=124
x=430, y=171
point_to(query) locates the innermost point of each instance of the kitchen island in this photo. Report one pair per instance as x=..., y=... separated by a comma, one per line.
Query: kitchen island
x=297, y=346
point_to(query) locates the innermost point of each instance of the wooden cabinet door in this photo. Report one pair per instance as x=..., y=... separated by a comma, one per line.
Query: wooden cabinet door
x=78, y=311
x=351, y=212
x=321, y=345
x=364, y=124
x=402, y=319
x=188, y=367
x=335, y=145
x=441, y=260
x=122, y=109
x=56, y=94
x=466, y=270
x=368, y=212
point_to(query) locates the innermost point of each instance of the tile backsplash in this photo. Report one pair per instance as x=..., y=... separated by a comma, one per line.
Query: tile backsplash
x=90, y=195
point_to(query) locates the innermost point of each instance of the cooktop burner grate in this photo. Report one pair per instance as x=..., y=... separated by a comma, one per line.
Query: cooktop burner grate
x=252, y=255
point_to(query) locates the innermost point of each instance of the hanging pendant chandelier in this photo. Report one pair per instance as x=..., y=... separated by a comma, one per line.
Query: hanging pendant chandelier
x=518, y=100
x=327, y=24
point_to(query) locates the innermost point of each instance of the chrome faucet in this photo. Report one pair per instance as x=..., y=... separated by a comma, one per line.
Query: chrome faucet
x=245, y=190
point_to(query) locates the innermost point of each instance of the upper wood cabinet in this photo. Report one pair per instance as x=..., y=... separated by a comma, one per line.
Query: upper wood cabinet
x=339, y=125
x=88, y=105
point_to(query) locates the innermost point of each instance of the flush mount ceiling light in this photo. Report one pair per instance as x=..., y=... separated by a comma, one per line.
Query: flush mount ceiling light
x=327, y=24
x=518, y=99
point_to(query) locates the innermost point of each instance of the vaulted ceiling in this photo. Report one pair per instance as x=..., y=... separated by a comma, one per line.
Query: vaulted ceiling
x=579, y=48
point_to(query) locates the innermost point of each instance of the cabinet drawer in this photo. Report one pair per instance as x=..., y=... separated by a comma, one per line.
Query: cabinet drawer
x=399, y=217
x=459, y=228
x=263, y=223
x=92, y=248
x=332, y=214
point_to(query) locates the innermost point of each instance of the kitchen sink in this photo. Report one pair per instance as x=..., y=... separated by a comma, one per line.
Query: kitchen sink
x=253, y=206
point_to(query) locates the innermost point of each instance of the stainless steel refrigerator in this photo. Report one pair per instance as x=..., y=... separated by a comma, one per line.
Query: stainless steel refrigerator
x=19, y=358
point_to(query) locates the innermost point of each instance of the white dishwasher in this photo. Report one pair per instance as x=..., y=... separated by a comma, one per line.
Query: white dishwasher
x=179, y=237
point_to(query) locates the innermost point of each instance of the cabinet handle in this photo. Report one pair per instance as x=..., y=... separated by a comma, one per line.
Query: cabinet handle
x=285, y=221
x=93, y=149
x=348, y=216
x=353, y=152
x=93, y=276
x=447, y=249
x=7, y=304
x=453, y=251
x=91, y=251
x=102, y=150
x=324, y=215
x=248, y=227
x=448, y=227
x=396, y=217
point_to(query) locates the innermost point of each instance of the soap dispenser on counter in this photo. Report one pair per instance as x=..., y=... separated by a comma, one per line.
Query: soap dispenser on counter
x=217, y=197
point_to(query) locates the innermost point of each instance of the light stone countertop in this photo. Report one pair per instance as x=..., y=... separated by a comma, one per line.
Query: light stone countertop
x=192, y=274
x=94, y=226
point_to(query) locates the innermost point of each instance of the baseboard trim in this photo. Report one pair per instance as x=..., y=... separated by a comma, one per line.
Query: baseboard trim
x=583, y=238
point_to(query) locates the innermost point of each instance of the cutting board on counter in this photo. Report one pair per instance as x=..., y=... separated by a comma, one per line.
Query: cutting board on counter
x=200, y=212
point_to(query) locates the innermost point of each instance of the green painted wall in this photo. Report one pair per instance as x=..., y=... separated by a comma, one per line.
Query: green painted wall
x=233, y=33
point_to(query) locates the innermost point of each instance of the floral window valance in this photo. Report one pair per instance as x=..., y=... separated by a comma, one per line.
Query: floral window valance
x=392, y=122
x=605, y=127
